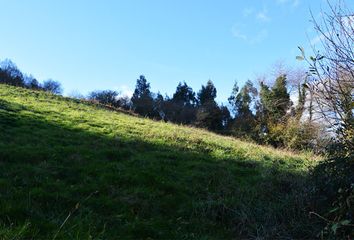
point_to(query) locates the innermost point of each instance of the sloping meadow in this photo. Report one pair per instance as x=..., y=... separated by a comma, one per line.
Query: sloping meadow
x=73, y=170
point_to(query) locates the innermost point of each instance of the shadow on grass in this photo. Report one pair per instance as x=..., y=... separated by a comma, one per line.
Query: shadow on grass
x=131, y=189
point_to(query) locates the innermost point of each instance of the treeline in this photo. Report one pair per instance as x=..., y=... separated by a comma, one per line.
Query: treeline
x=10, y=74
x=265, y=115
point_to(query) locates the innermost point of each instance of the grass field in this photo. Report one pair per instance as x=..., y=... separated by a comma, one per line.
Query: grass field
x=72, y=170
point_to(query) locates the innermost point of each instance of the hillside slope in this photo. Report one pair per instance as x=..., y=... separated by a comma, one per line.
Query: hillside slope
x=71, y=170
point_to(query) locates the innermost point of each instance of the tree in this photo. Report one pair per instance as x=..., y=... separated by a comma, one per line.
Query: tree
x=207, y=93
x=331, y=84
x=275, y=101
x=272, y=112
x=125, y=102
x=300, y=108
x=225, y=118
x=32, y=83
x=209, y=115
x=331, y=71
x=244, y=123
x=52, y=86
x=106, y=97
x=241, y=100
x=10, y=74
x=159, y=104
x=233, y=97
x=280, y=99
x=184, y=95
x=142, y=99
x=182, y=107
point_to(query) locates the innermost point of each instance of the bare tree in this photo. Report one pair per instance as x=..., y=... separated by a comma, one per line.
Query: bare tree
x=52, y=86
x=331, y=72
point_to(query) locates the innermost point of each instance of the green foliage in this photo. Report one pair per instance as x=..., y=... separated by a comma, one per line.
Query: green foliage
x=333, y=195
x=207, y=94
x=184, y=95
x=275, y=101
x=292, y=134
x=209, y=115
x=279, y=101
x=134, y=178
x=244, y=123
x=302, y=100
x=275, y=125
x=331, y=85
x=142, y=99
x=233, y=98
x=241, y=101
x=182, y=107
x=106, y=97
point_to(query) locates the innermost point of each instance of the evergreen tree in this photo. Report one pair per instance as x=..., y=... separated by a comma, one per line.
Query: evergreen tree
x=275, y=101
x=142, y=99
x=244, y=122
x=226, y=117
x=209, y=114
x=265, y=100
x=272, y=112
x=241, y=100
x=233, y=97
x=182, y=107
x=159, y=106
x=207, y=93
x=280, y=100
x=301, y=101
x=184, y=95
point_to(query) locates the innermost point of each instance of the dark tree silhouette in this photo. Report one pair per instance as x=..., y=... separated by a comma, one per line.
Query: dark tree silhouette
x=207, y=93
x=142, y=99
x=10, y=74
x=209, y=115
x=243, y=125
x=52, y=86
x=32, y=83
x=182, y=107
x=107, y=97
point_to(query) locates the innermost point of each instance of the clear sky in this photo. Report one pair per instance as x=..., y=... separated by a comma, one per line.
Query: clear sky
x=89, y=45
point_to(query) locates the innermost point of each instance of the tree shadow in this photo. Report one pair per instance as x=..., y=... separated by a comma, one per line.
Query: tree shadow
x=118, y=187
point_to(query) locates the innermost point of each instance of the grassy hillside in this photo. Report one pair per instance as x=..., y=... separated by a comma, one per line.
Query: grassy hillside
x=71, y=170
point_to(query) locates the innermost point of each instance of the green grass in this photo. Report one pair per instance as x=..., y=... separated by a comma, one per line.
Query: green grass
x=122, y=177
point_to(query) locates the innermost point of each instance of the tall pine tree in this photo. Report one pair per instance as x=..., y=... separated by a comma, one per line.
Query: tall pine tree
x=142, y=99
x=182, y=107
x=209, y=114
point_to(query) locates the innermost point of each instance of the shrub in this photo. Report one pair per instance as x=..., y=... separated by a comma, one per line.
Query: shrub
x=294, y=134
x=333, y=196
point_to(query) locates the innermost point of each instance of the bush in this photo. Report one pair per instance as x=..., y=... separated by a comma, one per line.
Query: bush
x=294, y=134
x=333, y=195
x=106, y=97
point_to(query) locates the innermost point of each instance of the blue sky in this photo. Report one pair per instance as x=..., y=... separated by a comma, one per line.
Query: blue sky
x=89, y=45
